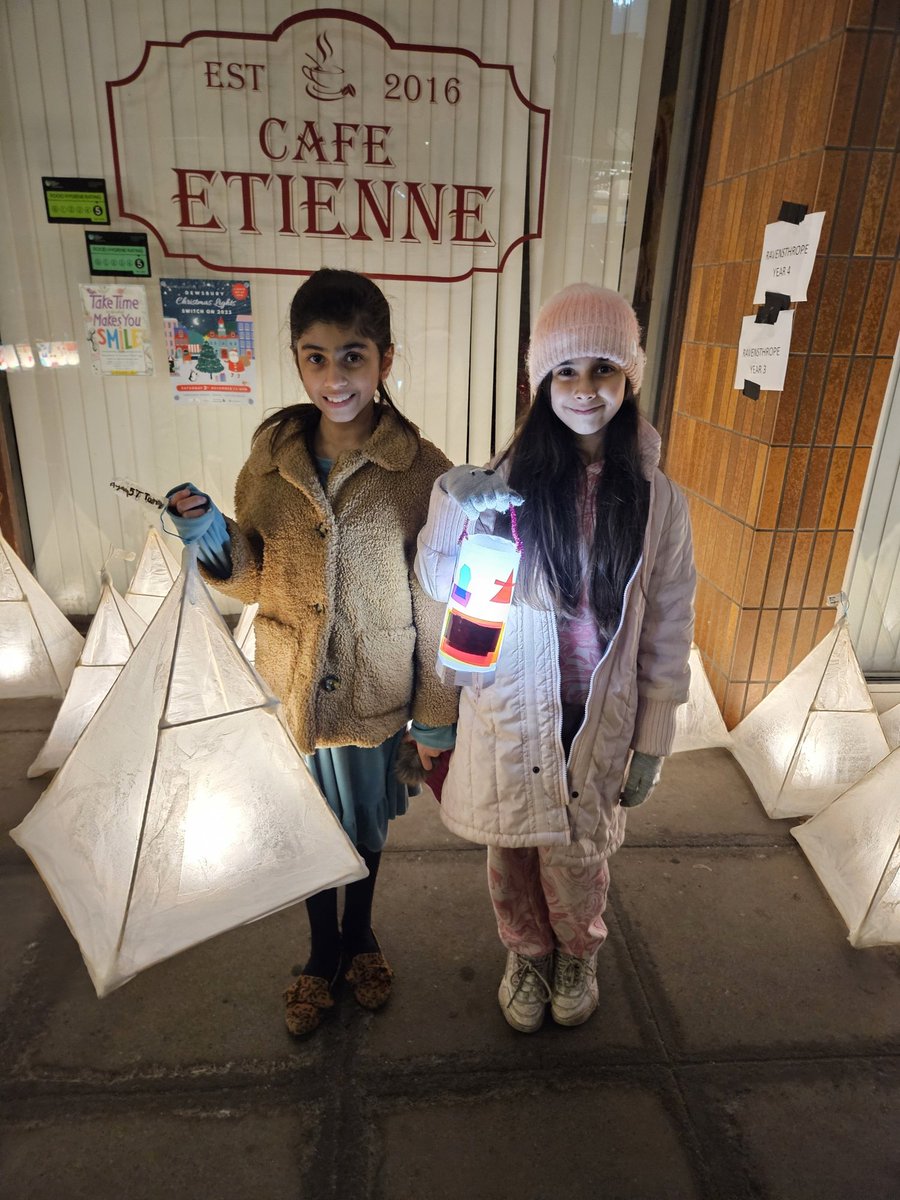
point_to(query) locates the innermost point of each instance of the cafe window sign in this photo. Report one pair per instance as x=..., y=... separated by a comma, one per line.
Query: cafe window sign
x=250, y=152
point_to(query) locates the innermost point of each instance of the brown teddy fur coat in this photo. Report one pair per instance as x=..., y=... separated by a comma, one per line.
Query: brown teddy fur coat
x=345, y=635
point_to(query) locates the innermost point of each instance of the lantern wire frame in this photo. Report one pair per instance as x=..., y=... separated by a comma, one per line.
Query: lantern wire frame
x=816, y=733
x=699, y=723
x=854, y=848
x=186, y=808
x=154, y=575
x=39, y=646
x=114, y=632
x=890, y=723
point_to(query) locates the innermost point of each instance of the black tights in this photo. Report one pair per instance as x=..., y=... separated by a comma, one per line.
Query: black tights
x=354, y=934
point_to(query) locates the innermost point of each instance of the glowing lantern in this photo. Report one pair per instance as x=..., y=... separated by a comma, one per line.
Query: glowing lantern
x=115, y=631
x=814, y=734
x=890, y=723
x=38, y=645
x=186, y=808
x=482, y=591
x=155, y=573
x=244, y=634
x=854, y=847
x=699, y=723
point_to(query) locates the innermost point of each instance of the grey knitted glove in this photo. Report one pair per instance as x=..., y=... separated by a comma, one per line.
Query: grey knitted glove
x=643, y=776
x=474, y=489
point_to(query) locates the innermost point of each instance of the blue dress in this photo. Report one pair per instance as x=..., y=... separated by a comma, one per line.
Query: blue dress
x=361, y=788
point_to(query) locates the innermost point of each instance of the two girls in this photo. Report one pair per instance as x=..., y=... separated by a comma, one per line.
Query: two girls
x=327, y=508
x=574, y=727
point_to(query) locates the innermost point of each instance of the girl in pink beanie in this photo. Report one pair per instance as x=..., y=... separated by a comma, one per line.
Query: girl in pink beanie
x=573, y=729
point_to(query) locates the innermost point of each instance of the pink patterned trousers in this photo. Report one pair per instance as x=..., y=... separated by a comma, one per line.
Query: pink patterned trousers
x=548, y=897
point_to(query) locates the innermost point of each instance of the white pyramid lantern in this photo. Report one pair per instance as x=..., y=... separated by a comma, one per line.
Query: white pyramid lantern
x=114, y=632
x=699, y=724
x=154, y=575
x=39, y=646
x=890, y=724
x=814, y=734
x=186, y=808
x=244, y=634
x=854, y=847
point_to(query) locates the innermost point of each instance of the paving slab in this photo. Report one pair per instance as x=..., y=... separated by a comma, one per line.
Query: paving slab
x=35, y=714
x=220, y=1155
x=541, y=1142
x=704, y=798
x=27, y=910
x=800, y=1131
x=421, y=828
x=436, y=925
x=18, y=795
x=216, y=1007
x=742, y=954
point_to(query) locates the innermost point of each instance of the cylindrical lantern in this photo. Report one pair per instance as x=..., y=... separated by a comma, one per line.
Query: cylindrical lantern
x=483, y=582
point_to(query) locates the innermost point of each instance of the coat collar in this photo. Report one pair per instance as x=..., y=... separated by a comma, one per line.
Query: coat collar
x=391, y=447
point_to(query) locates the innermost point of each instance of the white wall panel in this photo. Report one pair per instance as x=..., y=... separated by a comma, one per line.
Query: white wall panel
x=457, y=344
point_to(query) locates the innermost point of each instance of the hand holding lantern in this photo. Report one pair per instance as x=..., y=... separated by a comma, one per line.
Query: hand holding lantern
x=475, y=489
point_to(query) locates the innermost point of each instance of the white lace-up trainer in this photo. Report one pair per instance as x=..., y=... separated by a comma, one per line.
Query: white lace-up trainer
x=574, y=995
x=525, y=991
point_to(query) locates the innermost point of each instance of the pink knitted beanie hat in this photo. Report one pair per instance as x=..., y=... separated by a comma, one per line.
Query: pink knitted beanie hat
x=586, y=321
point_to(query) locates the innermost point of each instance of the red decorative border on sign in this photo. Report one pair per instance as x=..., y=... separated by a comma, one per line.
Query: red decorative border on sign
x=342, y=15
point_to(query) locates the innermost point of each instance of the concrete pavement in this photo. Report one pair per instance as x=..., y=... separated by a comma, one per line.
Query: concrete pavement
x=742, y=1048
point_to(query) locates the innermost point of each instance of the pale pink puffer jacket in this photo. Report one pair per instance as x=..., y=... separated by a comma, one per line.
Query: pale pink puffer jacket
x=509, y=783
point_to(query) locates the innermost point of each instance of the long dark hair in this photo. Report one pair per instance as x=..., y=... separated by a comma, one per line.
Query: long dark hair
x=335, y=297
x=547, y=469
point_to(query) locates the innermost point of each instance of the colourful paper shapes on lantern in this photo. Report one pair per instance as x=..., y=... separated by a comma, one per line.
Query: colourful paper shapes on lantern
x=114, y=632
x=186, y=808
x=39, y=646
x=477, y=610
x=814, y=734
x=154, y=575
x=854, y=847
x=699, y=724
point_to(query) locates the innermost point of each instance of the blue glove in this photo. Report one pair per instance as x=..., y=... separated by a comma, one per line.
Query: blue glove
x=643, y=776
x=474, y=489
x=207, y=532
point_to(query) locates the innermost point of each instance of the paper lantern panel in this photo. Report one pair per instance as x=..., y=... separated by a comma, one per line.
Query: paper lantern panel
x=814, y=734
x=39, y=646
x=854, y=847
x=699, y=724
x=186, y=808
x=154, y=575
x=114, y=632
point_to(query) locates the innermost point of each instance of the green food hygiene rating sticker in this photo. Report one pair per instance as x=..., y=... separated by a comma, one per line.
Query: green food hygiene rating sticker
x=118, y=254
x=71, y=201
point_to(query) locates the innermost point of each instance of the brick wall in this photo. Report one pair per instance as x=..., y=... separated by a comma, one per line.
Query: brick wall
x=808, y=110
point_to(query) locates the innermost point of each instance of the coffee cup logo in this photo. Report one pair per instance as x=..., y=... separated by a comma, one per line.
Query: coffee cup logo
x=323, y=76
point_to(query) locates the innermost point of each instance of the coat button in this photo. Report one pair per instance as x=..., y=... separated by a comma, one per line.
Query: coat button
x=536, y=770
x=329, y=683
x=319, y=608
x=574, y=795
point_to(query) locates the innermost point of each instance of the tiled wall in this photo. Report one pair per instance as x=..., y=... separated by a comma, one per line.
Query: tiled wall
x=808, y=110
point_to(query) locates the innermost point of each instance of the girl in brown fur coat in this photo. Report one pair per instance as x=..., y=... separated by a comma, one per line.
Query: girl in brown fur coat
x=327, y=509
